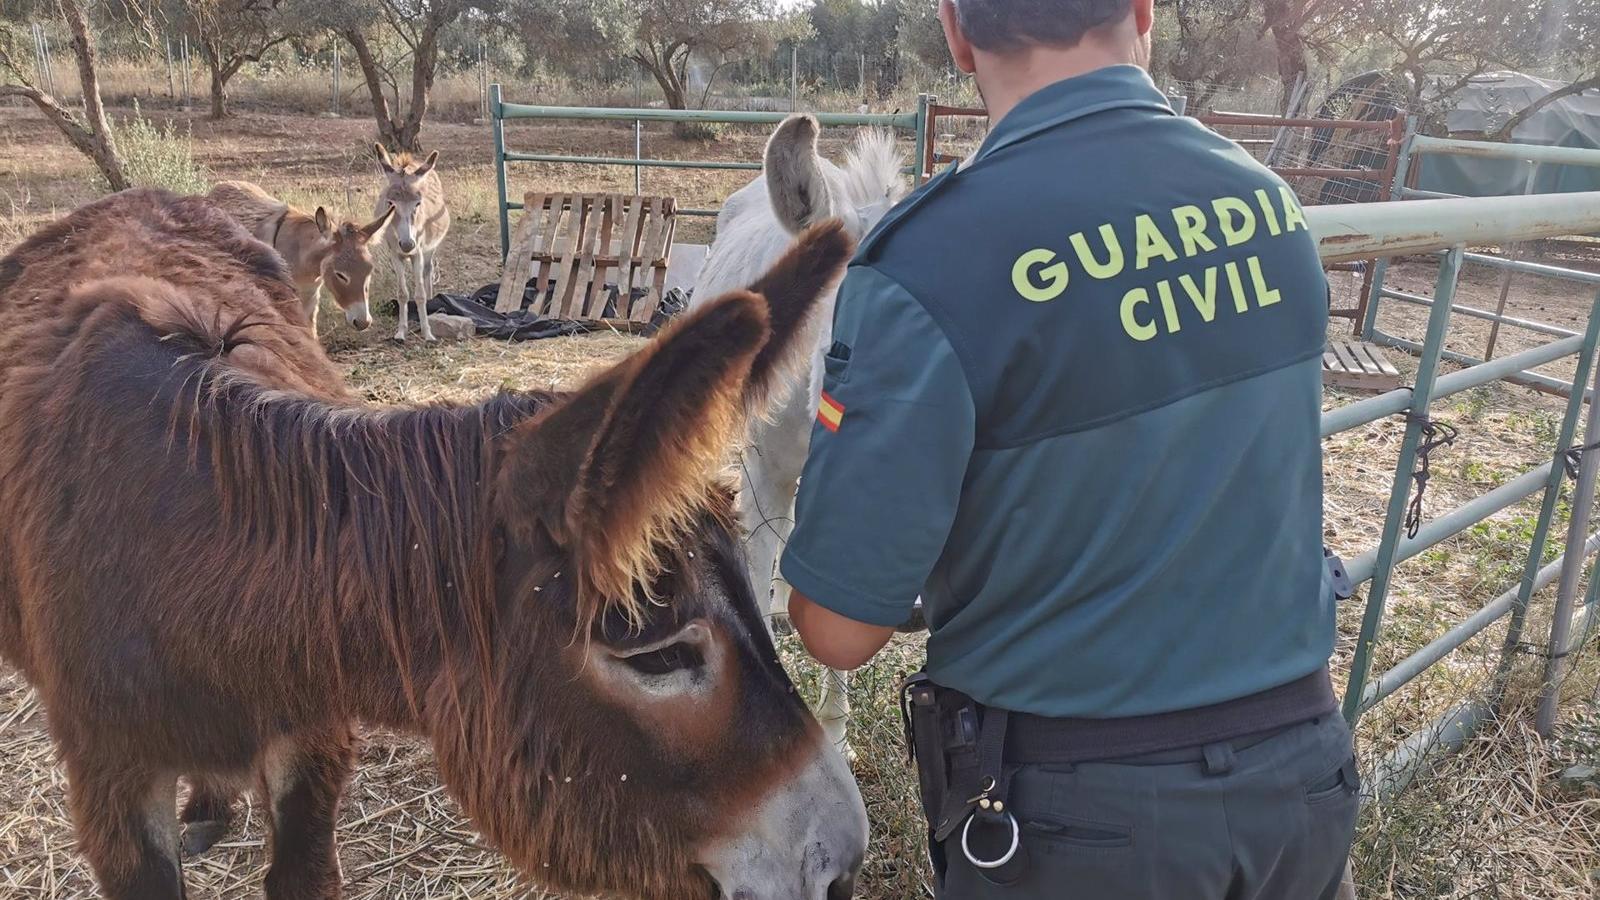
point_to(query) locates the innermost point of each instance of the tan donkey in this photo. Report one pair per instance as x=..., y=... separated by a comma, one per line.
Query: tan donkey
x=421, y=220
x=315, y=251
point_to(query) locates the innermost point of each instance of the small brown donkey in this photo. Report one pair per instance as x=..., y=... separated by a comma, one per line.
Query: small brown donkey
x=316, y=251
x=213, y=563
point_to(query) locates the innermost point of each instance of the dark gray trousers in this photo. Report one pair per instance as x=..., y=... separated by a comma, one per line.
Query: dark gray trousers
x=1266, y=820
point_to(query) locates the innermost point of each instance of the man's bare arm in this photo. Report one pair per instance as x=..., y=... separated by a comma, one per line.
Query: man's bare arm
x=835, y=641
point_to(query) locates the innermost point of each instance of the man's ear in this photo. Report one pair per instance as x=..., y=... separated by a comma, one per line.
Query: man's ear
x=616, y=472
x=1144, y=16
x=960, y=48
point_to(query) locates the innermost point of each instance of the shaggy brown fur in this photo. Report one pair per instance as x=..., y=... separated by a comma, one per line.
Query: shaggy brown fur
x=213, y=562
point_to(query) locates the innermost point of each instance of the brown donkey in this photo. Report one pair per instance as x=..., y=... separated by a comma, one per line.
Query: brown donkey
x=317, y=253
x=213, y=563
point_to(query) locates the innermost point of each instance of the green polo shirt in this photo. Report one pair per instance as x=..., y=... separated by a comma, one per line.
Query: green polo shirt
x=1073, y=402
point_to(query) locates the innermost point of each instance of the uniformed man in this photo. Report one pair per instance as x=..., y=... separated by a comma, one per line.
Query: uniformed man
x=1073, y=402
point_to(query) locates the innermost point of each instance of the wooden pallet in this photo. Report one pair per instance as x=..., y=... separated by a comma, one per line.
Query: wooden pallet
x=1359, y=365
x=573, y=240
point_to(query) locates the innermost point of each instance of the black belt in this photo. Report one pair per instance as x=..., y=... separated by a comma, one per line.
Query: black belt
x=1037, y=740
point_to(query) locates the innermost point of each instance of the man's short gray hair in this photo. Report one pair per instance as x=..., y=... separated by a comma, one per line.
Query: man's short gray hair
x=999, y=25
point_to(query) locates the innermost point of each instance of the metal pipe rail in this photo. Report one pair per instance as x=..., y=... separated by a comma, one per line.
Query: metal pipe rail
x=1362, y=412
x=500, y=112
x=1535, y=153
x=1408, y=669
x=1452, y=523
x=1399, y=228
x=1475, y=313
x=1525, y=378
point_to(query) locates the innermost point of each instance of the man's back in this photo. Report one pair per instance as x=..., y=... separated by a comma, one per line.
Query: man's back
x=1073, y=399
x=1138, y=313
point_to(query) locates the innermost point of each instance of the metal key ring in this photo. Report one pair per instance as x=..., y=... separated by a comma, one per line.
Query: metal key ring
x=1016, y=843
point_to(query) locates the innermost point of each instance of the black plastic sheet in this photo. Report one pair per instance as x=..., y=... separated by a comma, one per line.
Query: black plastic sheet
x=525, y=325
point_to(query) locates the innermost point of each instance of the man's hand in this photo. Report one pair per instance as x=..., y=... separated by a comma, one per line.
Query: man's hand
x=837, y=642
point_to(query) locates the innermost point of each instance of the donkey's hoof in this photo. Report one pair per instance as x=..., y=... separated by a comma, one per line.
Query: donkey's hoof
x=398, y=340
x=198, y=837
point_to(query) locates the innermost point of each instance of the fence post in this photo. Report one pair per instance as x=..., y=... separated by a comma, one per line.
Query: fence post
x=172, y=84
x=1400, y=490
x=337, y=66
x=638, y=155
x=1505, y=277
x=499, y=127
x=1380, y=270
x=1572, y=566
x=188, y=94
x=794, y=78
x=925, y=124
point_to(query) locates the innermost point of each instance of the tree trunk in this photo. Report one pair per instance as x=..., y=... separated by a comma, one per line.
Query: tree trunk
x=219, y=90
x=671, y=90
x=397, y=133
x=374, y=79
x=1532, y=109
x=424, y=62
x=91, y=137
x=1283, y=19
x=104, y=158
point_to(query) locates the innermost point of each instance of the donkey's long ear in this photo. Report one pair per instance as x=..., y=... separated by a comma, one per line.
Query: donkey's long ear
x=427, y=165
x=795, y=183
x=792, y=289
x=621, y=467
x=321, y=218
x=371, y=229
x=384, y=162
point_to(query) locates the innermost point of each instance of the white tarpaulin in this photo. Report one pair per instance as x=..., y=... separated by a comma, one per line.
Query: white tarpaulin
x=1488, y=101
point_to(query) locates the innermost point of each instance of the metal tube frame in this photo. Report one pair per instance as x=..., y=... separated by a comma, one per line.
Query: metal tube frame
x=1561, y=615
x=915, y=122
x=1552, y=496
x=1400, y=490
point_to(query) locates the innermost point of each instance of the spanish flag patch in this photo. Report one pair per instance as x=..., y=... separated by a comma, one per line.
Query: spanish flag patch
x=830, y=412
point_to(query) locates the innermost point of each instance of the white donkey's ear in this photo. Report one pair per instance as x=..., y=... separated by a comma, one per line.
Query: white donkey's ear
x=384, y=161
x=795, y=183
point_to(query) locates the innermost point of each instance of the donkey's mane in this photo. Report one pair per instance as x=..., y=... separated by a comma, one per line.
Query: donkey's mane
x=383, y=512
x=872, y=168
x=403, y=160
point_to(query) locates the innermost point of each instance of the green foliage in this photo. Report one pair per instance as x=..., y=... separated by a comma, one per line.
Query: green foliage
x=159, y=156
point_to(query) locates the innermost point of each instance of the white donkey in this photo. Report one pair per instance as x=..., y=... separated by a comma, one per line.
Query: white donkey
x=796, y=189
x=421, y=220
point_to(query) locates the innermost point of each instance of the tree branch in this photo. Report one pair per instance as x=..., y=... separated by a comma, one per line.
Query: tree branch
x=1532, y=109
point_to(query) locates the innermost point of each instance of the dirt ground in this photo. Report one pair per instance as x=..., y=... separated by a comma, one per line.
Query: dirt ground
x=1485, y=825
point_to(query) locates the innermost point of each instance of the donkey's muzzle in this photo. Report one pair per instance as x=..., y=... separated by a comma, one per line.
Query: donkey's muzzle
x=804, y=841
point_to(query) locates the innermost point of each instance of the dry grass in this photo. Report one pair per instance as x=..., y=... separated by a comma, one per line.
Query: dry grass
x=1485, y=823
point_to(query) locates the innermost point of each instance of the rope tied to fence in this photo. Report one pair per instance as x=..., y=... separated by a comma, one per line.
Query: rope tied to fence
x=1573, y=458
x=1434, y=436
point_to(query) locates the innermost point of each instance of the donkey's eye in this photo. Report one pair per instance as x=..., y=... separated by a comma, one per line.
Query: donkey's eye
x=671, y=658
